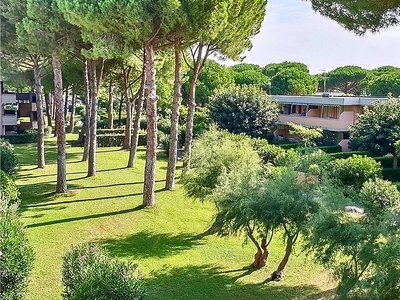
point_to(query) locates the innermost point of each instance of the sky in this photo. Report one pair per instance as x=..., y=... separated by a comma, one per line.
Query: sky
x=292, y=31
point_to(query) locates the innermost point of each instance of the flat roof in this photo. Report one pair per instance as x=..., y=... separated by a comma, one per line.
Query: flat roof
x=319, y=100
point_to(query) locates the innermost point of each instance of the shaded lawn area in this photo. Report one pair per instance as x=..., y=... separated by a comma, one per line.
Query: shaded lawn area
x=178, y=259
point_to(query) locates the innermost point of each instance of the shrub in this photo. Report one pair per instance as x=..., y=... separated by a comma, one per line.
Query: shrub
x=244, y=109
x=355, y=170
x=90, y=273
x=16, y=255
x=391, y=174
x=267, y=152
x=331, y=149
x=9, y=189
x=30, y=136
x=9, y=161
x=164, y=141
x=289, y=158
x=48, y=130
x=344, y=155
x=215, y=155
x=386, y=161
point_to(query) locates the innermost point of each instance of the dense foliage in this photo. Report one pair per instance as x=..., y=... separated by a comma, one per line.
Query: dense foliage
x=9, y=189
x=244, y=109
x=215, y=155
x=9, y=162
x=16, y=255
x=347, y=79
x=377, y=128
x=359, y=242
x=355, y=170
x=90, y=273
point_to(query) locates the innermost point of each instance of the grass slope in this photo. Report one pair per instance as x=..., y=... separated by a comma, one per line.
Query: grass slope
x=176, y=257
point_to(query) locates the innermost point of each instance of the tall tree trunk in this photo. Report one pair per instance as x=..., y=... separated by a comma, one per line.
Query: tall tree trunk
x=60, y=127
x=121, y=101
x=72, y=115
x=110, y=108
x=173, y=142
x=66, y=102
x=86, y=125
x=129, y=108
x=151, y=114
x=48, y=109
x=53, y=107
x=128, y=124
x=136, y=123
x=93, y=118
x=198, y=67
x=39, y=109
x=190, y=120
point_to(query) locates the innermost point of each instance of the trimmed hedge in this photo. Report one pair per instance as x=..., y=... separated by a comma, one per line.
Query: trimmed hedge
x=117, y=140
x=391, y=174
x=101, y=131
x=23, y=138
x=386, y=161
x=331, y=149
x=289, y=146
x=344, y=155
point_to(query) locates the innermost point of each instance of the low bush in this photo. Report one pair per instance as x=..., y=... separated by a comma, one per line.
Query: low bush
x=117, y=140
x=287, y=146
x=30, y=136
x=164, y=141
x=355, y=170
x=16, y=255
x=9, y=189
x=90, y=273
x=344, y=155
x=267, y=152
x=386, y=161
x=9, y=162
x=48, y=131
x=391, y=174
x=331, y=149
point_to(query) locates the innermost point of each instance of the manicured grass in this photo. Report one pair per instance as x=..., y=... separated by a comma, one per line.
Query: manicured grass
x=169, y=242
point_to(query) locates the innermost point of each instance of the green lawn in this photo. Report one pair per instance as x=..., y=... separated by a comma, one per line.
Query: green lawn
x=169, y=242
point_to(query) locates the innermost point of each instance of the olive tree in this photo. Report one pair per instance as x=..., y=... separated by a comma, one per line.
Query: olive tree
x=358, y=240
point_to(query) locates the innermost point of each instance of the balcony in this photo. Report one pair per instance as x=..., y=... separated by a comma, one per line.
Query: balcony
x=8, y=99
x=25, y=109
x=342, y=123
x=9, y=119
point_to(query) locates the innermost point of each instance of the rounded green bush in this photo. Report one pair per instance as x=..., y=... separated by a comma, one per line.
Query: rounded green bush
x=355, y=170
x=9, y=189
x=16, y=255
x=90, y=273
x=9, y=161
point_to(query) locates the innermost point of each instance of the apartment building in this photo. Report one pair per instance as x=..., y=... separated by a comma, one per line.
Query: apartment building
x=18, y=112
x=334, y=114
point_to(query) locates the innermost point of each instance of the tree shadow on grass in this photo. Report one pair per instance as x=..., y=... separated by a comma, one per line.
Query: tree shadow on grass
x=86, y=217
x=208, y=282
x=146, y=244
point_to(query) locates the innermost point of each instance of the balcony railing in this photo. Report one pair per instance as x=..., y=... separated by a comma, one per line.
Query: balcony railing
x=341, y=124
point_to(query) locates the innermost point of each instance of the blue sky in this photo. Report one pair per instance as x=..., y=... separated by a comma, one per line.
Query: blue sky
x=292, y=31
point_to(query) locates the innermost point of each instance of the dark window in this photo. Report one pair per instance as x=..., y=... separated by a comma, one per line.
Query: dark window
x=346, y=135
x=34, y=115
